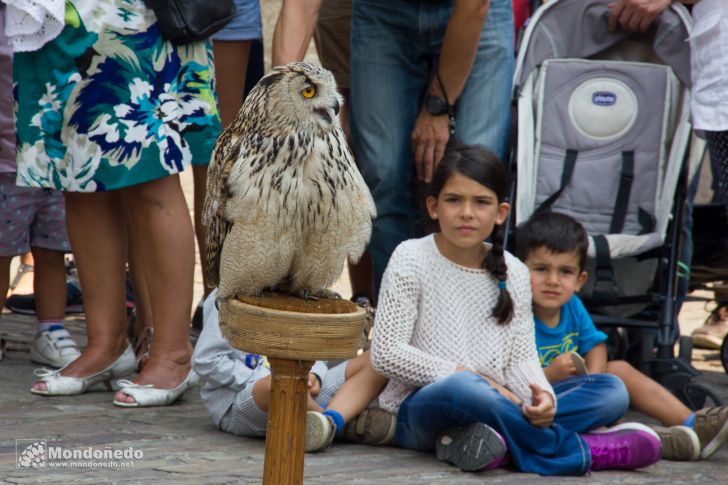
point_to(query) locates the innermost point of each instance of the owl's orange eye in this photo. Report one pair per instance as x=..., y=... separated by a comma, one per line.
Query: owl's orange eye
x=309, y=91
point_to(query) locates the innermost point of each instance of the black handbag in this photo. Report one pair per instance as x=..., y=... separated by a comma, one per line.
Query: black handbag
x=185, y=21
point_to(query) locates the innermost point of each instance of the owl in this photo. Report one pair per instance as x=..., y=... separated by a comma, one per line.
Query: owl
x=285, y=203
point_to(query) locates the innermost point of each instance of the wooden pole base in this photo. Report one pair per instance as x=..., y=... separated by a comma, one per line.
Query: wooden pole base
x=292, y=333
x=284, y=442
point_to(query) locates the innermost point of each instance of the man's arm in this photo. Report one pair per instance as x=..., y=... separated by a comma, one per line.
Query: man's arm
x=637, y=15
x=459, y=47
x=294, y=29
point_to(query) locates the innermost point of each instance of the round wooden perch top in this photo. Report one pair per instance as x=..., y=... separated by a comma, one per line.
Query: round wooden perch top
x=289, y=327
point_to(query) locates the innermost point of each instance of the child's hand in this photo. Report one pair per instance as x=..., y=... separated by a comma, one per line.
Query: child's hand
x=504, y=391
x=314, y=386
x=541, y=412
x=562, y=367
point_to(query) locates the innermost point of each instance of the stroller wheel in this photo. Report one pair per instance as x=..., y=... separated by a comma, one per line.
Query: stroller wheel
x=724, y=354
x=697, y=396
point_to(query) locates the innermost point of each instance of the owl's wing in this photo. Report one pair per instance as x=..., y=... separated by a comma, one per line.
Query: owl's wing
x=353, y=209
x=226, y=152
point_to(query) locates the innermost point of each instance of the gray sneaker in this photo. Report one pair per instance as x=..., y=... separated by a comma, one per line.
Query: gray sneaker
x=320, y=432
x=474, y=447
x=679, y=443
x=373, y=426
x=711, y=426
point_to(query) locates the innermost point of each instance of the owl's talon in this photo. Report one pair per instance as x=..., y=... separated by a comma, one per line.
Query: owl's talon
x=319, y=294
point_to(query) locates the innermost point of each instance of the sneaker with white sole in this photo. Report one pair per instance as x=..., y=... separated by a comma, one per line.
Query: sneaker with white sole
x=711, y=426
x=54, y=347
x=679, y=443
x=627, y=446
x=474, y=447
x=320, y=432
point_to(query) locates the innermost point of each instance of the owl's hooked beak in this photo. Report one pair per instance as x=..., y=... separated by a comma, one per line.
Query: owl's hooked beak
x=325, y=114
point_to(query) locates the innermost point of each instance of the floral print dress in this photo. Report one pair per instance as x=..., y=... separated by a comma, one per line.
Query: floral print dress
x=109, y=104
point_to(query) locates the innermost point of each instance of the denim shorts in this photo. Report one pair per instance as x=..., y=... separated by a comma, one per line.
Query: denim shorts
x=246, y=25
x=30, y=217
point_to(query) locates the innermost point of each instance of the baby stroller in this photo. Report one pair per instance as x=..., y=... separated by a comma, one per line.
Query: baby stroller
x=604, y=136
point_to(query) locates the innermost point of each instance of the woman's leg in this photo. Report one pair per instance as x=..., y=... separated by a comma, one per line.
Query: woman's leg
x=231, y=63
x=96, y=231
x=4, y=278
x=162, y=223
x=465, y=398
x=199, y=181
x=144, y=320
x=25, y=285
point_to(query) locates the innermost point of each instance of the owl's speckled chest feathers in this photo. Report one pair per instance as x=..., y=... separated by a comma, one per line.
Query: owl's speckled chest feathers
x=293, y=179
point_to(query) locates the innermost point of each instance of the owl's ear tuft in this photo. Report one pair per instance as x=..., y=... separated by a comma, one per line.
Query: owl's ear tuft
x=270, y=79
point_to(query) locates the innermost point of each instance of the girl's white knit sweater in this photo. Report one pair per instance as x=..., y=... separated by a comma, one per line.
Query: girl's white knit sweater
x=434, y=315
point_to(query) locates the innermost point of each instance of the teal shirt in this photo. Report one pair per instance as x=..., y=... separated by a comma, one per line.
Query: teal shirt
x=574, y=333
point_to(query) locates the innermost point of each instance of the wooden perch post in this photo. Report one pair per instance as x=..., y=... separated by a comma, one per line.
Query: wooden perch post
x=292, y=333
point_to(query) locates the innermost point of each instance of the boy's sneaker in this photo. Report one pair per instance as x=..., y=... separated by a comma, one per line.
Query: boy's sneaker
x=679, y=443
x=711, y=426
x=55, y=348
x=627, y=446
x=373, y=426
x=25, y=304
x=472, y=448
x=320, y=431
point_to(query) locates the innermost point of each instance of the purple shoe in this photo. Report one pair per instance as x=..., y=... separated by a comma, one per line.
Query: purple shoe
x=627, y=446
x=472, y=448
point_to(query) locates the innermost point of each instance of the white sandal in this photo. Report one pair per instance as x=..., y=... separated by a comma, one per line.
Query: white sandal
x=58, y=385
x=147, y=395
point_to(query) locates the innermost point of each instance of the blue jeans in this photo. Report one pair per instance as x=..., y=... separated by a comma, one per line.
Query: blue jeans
x=394, y=46
x=584, y=403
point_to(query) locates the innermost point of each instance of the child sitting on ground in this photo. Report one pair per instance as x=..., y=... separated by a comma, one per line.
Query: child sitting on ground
x=237, y=389
x=554, y=247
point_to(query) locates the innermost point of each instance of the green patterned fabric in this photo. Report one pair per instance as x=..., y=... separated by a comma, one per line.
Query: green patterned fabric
x=109, y=103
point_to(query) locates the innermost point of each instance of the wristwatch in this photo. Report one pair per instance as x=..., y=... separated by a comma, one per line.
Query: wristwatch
x=435, y=105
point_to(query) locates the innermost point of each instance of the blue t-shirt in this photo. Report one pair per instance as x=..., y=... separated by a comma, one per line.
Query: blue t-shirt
x=574, y=333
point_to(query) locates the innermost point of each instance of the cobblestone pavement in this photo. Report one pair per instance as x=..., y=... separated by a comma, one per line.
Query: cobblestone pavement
x=180, y=445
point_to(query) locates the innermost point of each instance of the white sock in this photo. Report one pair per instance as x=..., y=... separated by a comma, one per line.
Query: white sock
x=49, y=325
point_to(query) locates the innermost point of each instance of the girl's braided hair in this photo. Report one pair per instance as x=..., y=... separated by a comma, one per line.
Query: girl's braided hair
x=480, y=164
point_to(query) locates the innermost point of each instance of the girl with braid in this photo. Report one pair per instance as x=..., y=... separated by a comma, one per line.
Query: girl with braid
x=455, y=336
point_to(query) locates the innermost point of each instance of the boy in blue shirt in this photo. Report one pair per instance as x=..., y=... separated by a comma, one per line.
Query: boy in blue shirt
x=554, y=247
